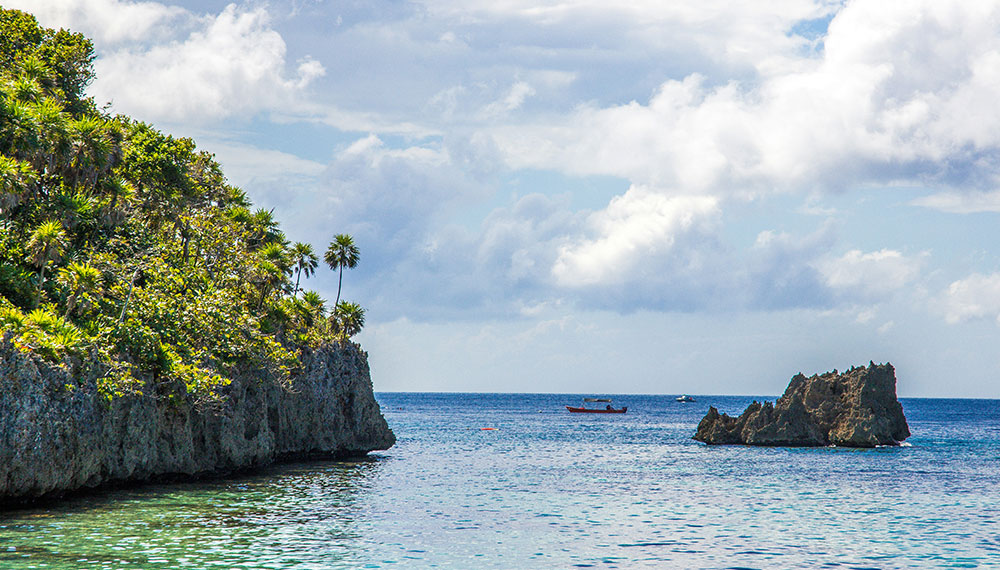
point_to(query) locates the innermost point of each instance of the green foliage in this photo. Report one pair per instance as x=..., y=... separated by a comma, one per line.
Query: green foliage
x=43, y=332
x=61, y=61
x=16, y=281
x=347, y=319
x=16, y=284
x=158, y=163
x=125, y=248
x=140, y=345
x=46, y=244
x=16, y=178
x=11, y=319
x=21, y=34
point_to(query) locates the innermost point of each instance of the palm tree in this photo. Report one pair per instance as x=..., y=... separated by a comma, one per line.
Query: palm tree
x=80, y=279
x=46, y=245
x=19, y=131
x=75, y=208
x=314, y=302
x=55, y=127
x=348, y=319
x=305, y=262
x=276, y=254
x=342, y=253
x=117, y=188
x=308, y=309
x=15, y=177
x=34, y=69
x=90, y=150
x=232, y=196
x=265, y=228
x=268, y=277
x=25, y=90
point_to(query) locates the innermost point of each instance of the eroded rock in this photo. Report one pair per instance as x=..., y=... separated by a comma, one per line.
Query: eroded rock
x=58, y=434
x=858, y=408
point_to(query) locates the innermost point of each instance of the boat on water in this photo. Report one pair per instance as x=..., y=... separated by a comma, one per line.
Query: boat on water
x=685, y=398
x=607, y=409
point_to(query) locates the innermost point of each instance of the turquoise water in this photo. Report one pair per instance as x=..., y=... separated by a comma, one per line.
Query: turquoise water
x=549, y=489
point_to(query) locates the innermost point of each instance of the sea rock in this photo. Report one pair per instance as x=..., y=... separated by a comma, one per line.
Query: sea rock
x=858, y=408
x=58, y=434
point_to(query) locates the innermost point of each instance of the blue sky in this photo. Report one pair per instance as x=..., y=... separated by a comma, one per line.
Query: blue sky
x=644, y=197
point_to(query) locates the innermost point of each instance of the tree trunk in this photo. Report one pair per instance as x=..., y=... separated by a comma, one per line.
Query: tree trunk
x=340, y=282
x=41, y=282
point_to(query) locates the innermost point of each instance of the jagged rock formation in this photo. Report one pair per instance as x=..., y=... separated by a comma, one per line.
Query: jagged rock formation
x=58, y=434
x=858, y=408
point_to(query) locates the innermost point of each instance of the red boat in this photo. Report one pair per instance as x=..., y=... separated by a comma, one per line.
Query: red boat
x=605, y=410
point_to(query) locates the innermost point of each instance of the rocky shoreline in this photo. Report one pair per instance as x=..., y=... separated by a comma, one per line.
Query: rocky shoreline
x=58, y=434
x=858, y=408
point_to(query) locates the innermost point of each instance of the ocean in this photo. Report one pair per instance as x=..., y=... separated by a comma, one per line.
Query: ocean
x=544, y=488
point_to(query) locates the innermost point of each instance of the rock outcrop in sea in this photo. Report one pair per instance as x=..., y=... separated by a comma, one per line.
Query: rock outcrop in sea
x=858, y=408
x=59, y=434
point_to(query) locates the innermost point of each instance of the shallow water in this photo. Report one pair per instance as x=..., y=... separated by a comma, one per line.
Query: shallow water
x=549, y=489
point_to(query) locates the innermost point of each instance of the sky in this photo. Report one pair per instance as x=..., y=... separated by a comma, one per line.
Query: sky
x=699, y=196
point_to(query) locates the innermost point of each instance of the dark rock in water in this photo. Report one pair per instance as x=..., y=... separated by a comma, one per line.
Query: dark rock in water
x=858, y=408
x=55, y=438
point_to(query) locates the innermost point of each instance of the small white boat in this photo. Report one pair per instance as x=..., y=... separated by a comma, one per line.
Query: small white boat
x=685, y=398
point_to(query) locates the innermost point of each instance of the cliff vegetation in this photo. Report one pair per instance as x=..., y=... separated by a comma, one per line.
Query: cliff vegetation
x=124, y=252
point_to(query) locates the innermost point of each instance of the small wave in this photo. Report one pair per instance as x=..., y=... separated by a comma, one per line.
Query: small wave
x=900, y=444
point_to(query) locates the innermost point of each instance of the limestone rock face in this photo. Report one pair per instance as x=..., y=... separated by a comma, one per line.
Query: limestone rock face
x=55, y=437
x=858, y=408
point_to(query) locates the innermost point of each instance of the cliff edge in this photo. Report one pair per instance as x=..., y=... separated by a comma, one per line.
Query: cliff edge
x=858, y=408
x=58, y=434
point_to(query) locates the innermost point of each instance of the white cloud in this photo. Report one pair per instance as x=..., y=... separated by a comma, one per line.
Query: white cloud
x=645, y=250
x=635, y=227
x=109, y=22
x=887, y=101
x=871, y=275
x=163, y=63
x=389, y=198
x=234, y=64
x=865, y=316
x=247, y=165
x=308, y=70
x=743, y=33
x=975, y=297
x=961, y=203
x=553, y=78
x=514, y=98
x=392, y=193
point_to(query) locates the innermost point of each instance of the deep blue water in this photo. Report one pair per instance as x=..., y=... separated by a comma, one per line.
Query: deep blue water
x=549, y=489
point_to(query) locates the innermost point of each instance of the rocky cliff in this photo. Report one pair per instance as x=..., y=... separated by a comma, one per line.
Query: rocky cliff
x=858, y=408
x=58, y=434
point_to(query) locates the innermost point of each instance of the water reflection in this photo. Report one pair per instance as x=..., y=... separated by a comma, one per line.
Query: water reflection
x=285, y=516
